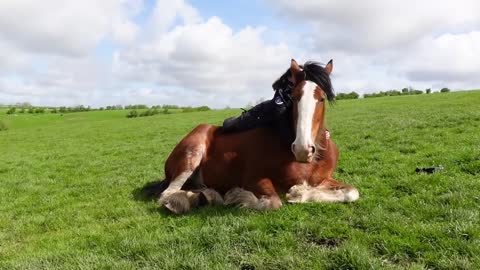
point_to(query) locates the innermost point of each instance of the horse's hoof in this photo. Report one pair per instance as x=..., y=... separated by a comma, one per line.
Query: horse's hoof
x=180, y=202
x=351, y=194
x=210, y=197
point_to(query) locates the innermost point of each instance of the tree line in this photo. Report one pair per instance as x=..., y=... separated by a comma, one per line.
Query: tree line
x=404, y=91
x=165, y=110
x=25, y=108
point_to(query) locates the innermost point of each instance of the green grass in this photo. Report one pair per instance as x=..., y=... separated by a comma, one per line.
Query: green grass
x=67, y=194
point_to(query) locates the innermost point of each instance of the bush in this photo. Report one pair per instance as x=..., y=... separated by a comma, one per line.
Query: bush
x=145, y=113
x=416, y=92
x=166, y=106
x=444, y=90
x=136, y=106
x=203, y=108
x=428, y=91
x=3, y=125
x=132, y=114
x=11, y=110
x=39, y=110
x=351, y=95
x=195, y=109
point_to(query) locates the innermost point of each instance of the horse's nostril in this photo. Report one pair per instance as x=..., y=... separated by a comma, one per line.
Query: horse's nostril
x=293, y=147
x=312, y=149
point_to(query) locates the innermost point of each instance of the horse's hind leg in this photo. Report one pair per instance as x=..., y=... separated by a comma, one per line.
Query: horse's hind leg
x=183, y=201
x=184, y=162
x=182, y=166
x=263, y=197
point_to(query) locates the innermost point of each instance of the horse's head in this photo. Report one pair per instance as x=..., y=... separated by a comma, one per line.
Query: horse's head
x=312, y=89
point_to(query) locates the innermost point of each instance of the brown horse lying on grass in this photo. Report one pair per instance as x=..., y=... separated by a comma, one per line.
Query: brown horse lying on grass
x=251, y=168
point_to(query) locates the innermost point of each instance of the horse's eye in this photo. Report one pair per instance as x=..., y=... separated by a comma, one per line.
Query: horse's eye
x=322, y=99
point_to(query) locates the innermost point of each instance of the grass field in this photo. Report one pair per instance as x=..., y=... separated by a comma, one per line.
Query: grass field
x=68, y=194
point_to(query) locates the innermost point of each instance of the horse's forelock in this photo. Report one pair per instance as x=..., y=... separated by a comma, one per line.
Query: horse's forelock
x=316, y=73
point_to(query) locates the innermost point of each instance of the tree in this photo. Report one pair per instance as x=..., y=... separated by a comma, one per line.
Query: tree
x=39, y=110
x=351, y=95
x=11, y=110
x=444, y=90
x=428, y=90
x=132, y=114
x=405, y=91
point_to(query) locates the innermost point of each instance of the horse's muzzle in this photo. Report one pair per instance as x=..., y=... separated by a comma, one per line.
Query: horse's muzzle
x=303, y=153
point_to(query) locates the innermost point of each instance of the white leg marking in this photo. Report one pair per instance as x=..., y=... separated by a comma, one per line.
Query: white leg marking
x=306, y=193
x=193, y=157
x=176, y=184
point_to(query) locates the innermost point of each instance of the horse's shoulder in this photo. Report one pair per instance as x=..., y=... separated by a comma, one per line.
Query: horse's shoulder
x=205, y=128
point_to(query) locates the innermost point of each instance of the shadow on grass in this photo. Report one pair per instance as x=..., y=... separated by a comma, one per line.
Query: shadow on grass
x=150, y=191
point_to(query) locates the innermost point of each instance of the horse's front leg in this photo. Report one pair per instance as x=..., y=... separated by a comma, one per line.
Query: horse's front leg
x=184, y=161
x=260, y=195
x=329, y=190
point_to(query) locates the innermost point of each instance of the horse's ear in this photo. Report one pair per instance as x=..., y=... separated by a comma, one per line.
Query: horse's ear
x=295, y=68
x=329, y=66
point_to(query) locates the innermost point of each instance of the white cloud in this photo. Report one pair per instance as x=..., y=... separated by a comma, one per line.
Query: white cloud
x=70, y=27
x=47, y=48
x=51, y=51
x=373, y=24
x=381, y=45
x=204, y=60
x=203, y=56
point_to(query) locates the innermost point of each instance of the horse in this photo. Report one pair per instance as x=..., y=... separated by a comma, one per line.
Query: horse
x=251, y=168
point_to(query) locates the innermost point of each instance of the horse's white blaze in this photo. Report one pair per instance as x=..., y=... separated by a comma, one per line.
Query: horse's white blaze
x=306, y=109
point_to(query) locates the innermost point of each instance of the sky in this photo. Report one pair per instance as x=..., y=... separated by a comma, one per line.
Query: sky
x=228, y=53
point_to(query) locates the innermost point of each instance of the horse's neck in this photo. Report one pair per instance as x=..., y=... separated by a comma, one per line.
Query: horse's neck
x=321, y=142
x=321, y=139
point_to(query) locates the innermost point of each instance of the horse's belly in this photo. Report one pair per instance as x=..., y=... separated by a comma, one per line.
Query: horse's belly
x=222, y=172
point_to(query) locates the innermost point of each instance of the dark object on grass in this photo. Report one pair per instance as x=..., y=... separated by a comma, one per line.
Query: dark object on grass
x=429, y=170
x=246, y=266
x=325, y=242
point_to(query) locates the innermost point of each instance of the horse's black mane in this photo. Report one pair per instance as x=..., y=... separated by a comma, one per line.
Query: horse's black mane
x=316, y=73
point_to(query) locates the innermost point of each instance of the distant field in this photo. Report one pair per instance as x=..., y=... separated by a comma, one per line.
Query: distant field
x=67, y=194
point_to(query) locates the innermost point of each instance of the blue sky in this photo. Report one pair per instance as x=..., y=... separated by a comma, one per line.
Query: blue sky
x=227, y=53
